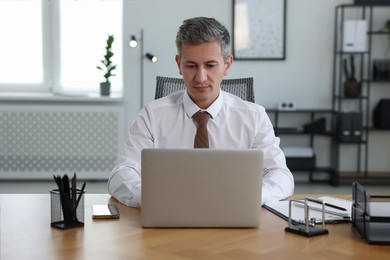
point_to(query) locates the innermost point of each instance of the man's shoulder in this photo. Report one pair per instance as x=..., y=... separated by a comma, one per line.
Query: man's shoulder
x=234, y=102
x=173, y=99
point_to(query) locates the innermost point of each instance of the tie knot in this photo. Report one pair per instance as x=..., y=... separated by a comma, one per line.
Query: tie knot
x=201, y=117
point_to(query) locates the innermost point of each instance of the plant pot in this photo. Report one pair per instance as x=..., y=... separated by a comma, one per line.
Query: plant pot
x=352, y=89
x=105, y=88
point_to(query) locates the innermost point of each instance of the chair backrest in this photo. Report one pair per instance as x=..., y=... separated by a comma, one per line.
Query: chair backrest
x=242, y=87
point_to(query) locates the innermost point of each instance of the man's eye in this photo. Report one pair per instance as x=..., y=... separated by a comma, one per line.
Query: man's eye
x=211, y=65
x=190, y=66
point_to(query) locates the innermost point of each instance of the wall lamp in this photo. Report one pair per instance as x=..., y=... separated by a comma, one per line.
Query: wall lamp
x=133, y=43
x=151, y=57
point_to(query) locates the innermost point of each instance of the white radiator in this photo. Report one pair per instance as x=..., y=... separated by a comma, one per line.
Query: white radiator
x=37, y=142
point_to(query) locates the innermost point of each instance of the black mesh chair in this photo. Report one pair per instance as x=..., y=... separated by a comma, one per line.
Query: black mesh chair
x=242, y=87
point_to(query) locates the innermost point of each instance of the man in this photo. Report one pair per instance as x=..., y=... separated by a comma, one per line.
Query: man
x=203, y=60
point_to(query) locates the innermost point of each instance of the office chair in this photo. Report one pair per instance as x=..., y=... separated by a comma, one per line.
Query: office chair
x=242, y=87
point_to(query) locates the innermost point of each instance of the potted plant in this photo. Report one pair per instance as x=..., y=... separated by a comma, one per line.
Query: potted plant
x=107, y=68
x=352, y=87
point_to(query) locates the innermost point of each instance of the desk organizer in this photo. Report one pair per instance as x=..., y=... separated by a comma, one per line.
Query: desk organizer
x=370, y=216
x=307, y=228
x=66, y=212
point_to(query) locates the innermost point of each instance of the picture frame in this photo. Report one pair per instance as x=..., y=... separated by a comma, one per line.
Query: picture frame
x=259, y=29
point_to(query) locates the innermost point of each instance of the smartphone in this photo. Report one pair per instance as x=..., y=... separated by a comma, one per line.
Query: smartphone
x=105, y=211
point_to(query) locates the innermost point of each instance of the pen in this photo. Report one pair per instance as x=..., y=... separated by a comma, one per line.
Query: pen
x=338, y=221
x=331, y=206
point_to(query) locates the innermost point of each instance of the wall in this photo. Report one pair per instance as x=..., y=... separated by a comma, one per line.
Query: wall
x=304, y=77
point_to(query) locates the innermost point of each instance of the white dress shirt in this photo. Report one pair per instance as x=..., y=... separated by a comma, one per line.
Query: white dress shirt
x=168, y=123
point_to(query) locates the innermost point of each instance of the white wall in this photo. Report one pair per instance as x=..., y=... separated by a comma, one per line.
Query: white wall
x=304, y=77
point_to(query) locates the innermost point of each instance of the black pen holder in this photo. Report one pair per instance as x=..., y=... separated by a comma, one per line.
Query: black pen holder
x=67, y=210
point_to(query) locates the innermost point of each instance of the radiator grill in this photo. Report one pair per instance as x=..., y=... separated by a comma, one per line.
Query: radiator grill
x=37, y=144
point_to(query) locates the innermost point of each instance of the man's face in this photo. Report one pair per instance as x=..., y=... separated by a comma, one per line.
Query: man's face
x=203, y=68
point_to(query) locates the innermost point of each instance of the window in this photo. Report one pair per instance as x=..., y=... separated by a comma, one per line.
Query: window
x=55, y=45
x=21, y=42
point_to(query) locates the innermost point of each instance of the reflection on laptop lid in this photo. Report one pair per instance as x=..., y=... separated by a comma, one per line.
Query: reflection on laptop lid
x=201, y=187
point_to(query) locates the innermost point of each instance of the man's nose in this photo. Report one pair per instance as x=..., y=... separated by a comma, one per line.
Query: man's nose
x=201, y=75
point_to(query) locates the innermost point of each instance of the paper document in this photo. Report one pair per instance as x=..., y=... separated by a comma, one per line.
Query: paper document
x=379, y=209
x=281, y=208
x=331, y=206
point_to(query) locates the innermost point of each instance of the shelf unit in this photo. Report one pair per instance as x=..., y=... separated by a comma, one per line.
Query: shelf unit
x=362, y=103
x=295, y=127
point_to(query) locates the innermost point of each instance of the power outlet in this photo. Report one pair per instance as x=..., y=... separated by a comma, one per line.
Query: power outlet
x=287, y=105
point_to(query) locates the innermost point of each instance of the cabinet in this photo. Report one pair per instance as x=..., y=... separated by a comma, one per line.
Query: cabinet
x=352, y=159
x=305, y=127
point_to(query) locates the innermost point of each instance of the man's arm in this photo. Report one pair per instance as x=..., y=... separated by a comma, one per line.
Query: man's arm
x=124, y=183
x=278, y=181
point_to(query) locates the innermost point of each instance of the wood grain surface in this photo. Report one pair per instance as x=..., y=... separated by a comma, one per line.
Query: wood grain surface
x=26, y=234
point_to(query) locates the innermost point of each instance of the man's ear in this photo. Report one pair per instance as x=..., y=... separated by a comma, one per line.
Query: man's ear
x=177, y=59
x=228, y=64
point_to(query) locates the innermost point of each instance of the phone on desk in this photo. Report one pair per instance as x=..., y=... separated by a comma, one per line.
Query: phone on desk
x=105, y=211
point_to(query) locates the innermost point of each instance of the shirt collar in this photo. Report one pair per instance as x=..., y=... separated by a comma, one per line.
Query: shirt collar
x=191, y=108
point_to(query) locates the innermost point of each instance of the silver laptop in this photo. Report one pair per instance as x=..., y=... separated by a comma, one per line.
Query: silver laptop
x=201, y=187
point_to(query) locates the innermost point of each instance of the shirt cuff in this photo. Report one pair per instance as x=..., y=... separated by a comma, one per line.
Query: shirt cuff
x=126, y=188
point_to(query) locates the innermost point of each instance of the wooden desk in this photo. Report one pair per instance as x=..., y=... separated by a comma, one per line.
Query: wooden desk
x=26, y=234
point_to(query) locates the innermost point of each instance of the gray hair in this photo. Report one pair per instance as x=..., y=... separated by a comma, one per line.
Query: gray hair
x=200, y=30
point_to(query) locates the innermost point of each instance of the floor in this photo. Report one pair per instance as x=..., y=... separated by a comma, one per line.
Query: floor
x=101, y=187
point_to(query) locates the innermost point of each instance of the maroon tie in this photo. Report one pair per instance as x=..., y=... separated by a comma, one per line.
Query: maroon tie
x=201, y=136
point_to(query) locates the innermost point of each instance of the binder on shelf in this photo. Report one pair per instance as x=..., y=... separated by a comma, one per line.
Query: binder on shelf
x=355, y=36
x=356, y=127
x=349, y=127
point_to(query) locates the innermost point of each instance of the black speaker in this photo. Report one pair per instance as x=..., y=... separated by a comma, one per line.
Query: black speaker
x=381, y=70
x=317, y=126
x=349, y=127
x=382, y=114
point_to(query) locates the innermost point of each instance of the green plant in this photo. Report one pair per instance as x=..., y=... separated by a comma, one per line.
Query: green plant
x=349, y=73
x=352, y=88
x=108, y=67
